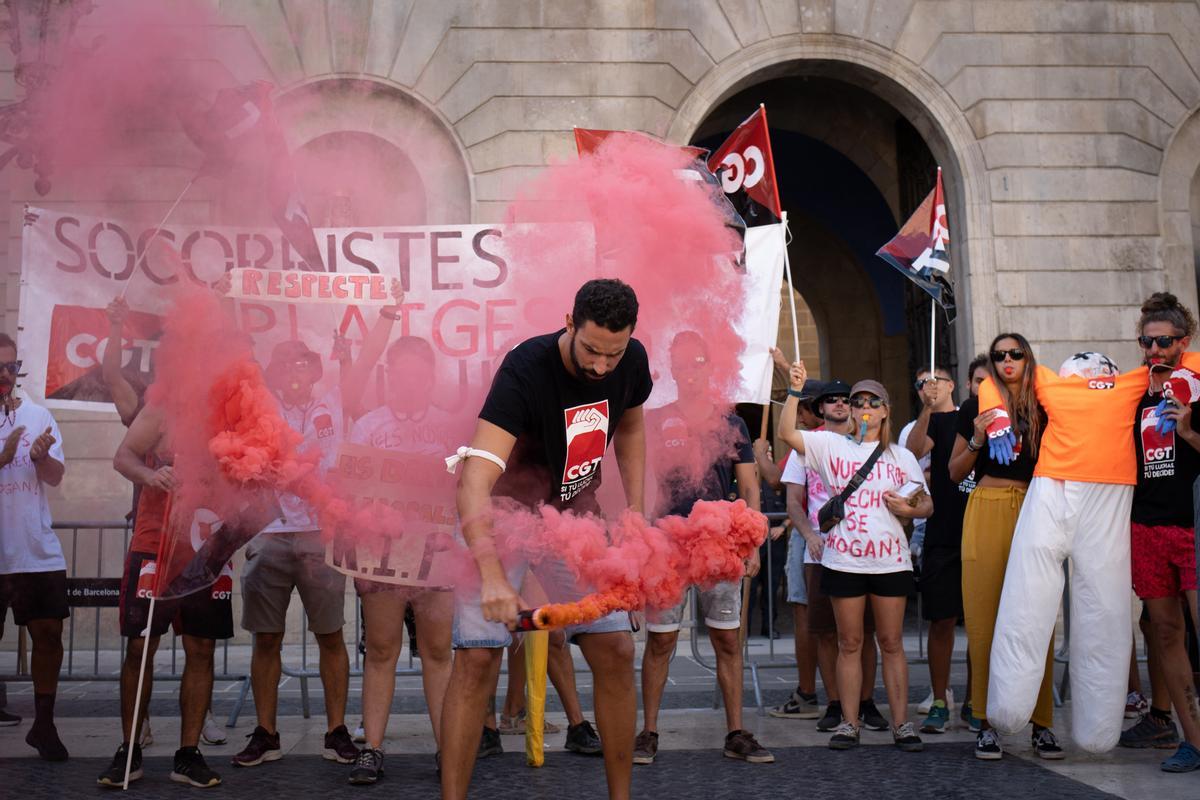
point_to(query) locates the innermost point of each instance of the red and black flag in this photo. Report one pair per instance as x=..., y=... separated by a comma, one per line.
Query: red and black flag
x=241, y=140
x=747, y=171
x=921, y=250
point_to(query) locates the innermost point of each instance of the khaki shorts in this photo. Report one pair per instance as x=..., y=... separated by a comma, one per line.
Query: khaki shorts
x=278, y=562
x=721, y=607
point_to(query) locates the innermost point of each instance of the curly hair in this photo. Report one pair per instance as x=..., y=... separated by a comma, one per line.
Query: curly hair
x=1165, y=307
x=608, y=302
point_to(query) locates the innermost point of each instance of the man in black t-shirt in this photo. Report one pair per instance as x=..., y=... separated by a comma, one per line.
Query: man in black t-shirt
x=1163, y=546
x=702, y=452
x=941, y=555
x=554, y=405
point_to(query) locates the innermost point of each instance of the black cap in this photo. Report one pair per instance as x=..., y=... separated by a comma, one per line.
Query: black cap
x=811, y=390
x=830, y=389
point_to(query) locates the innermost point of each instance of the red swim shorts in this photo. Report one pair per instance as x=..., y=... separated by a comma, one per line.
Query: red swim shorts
x=1164, y=560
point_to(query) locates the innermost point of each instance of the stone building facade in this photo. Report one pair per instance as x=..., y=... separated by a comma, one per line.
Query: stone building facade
x=1066, y=130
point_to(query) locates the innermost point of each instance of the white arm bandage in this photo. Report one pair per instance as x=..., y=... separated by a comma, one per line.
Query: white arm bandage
x=465, y=452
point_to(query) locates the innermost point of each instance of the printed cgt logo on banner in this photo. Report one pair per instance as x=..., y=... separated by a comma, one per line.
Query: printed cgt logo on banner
x=80, y=336
x=416, y=492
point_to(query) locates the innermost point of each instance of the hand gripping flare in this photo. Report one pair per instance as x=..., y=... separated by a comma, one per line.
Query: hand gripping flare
x=464, y=452
x=1002, y=441
x=1181, y=389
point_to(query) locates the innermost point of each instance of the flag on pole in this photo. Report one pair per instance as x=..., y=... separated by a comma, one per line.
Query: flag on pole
x=921, y=250
x=747, y=171
x=241, y=140
x=589, y=140
x=195, y=547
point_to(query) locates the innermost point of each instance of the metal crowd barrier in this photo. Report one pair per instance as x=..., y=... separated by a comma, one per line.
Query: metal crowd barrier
x=304, y=672
x=103, y=531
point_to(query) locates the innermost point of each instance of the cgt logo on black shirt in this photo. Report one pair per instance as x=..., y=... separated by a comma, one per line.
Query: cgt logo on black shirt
x=587, y=438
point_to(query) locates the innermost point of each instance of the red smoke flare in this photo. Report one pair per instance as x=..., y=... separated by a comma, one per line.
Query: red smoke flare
x=645, y=565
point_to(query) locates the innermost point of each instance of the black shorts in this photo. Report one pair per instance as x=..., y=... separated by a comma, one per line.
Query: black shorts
x=207, y=614
x=34, y=595
x=857, y=584
x=820, y=609
x=941, y=585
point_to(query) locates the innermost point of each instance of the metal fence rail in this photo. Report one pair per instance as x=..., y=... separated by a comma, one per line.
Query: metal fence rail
x=120, y=531
x=111, y=532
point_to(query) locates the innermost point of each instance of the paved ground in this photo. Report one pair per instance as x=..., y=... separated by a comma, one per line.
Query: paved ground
x=690, y=762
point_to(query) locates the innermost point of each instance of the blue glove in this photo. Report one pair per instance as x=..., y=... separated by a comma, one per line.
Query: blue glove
x=1000, y=448
x=1164, y=424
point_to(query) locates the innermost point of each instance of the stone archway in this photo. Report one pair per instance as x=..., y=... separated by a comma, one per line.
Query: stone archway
x=923, y=102
x=388, y=120
x=1179, y=214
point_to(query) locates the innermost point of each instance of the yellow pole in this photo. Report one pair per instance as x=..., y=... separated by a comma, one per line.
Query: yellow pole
x=536, y=646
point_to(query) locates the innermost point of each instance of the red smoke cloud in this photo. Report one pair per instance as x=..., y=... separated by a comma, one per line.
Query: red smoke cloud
x=644, y=565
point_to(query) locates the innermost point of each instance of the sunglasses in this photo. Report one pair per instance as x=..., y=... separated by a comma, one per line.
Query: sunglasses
x=13, y=367
x=835, y=399
x=921, y=383
x=1016, y=354
x=863, y=402
x=1163, y=342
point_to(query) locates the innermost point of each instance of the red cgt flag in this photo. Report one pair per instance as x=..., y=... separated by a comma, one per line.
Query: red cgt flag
x=747, y=171
x=241, y=140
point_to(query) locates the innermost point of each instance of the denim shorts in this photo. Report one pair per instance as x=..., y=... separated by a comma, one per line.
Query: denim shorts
x=721, y=606
x=472, y=630
x=797, y=589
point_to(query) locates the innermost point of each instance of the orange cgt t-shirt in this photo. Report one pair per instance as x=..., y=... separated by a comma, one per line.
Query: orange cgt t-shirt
x=1089, y=432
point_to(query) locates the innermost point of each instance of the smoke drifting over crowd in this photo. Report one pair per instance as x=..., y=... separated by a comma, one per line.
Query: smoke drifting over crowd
x=158, y=85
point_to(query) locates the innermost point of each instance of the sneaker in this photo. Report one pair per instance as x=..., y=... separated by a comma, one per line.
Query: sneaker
x=987, y=745
x=263, y=747
x=905, y=738
x=368, y=767
x=114, y=776
x=870, y=717
x=798, y=706
x=1150, y=732
x=967, y=713
x=583, y=739
x=212, y=733
x=489, y=743
x=845, y=737
x=645, y=747
x=1186, y=759
x=938, y=720
x=927, y=703
x=1136, y=705
x=146, y=736
x=44, y=739
x=339, y=746
x=191, y=769
x=7, y=720
x=1045, y=744
x=360, y=735
x=743, y=746
x=832, y=718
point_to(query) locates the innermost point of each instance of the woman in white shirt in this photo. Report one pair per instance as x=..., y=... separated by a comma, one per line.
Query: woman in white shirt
x=866, y=554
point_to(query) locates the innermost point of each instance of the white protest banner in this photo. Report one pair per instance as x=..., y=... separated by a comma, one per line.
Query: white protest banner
x=460, y=295
x=417, y=492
